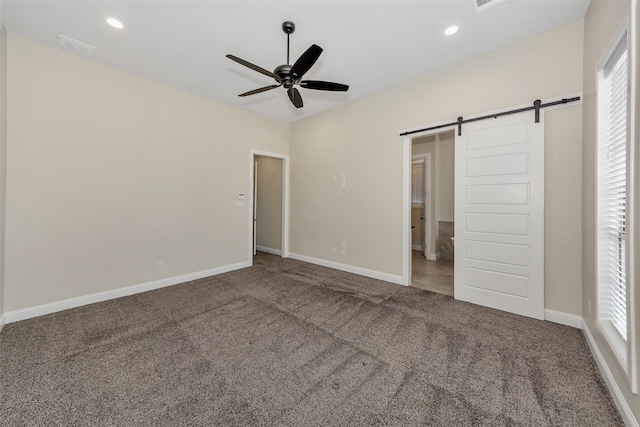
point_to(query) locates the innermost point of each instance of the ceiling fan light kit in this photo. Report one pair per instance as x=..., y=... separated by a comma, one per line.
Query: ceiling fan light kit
x=288, y=76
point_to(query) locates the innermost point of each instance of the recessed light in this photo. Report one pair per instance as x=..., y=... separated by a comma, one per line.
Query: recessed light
x=115, y=23
x=451, y=30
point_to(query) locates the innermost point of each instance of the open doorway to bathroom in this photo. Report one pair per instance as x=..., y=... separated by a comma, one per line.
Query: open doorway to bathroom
x=432, y=212
x=268, y=204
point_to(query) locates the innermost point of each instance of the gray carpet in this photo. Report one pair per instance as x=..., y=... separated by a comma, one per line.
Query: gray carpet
x=293, y=344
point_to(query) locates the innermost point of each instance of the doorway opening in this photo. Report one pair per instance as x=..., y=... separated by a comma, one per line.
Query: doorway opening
x=432, y=212
x=269, y=204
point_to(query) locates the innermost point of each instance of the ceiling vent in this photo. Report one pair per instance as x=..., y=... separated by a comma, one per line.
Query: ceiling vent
x=482, y=5
x=76, y=46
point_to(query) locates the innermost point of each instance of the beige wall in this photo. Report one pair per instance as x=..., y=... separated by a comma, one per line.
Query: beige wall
x=636, y=261
x=269, y=206
x=562, y=213
x=444, y=167
x=110, y=173
x=3, y=159
x=603, y=23
x=360, y=139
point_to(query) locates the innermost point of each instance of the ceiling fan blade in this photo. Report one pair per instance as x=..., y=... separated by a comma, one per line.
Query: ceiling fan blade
x=294, y=96
x=253, y=67
x=306, y=61
x=320, y=85
x=262, y=89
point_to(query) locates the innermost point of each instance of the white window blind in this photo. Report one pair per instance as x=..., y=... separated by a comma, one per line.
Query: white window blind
x=613, y=86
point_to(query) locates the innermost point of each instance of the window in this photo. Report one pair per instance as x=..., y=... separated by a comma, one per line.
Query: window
x=613, y=199
x=417, y=182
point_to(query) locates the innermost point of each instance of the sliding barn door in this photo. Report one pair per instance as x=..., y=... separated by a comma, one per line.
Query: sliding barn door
x=499, y=214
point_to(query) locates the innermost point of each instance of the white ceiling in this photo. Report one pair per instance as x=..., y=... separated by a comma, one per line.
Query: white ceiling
x=369, y=45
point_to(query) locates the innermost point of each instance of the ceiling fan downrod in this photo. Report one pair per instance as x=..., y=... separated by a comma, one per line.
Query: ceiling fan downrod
x=288, y=27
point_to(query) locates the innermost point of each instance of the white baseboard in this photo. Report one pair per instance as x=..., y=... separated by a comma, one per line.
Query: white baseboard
x=41, y=310
x=2, y=322
x=618, y=398
x=416, y=247
x=566, y=319
x=268, y=250
x=350, y=269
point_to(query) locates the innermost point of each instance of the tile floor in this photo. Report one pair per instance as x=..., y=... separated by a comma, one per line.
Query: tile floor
x=434, y=276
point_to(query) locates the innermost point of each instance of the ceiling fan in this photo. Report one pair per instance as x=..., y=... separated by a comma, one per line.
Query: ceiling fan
x=289, y=75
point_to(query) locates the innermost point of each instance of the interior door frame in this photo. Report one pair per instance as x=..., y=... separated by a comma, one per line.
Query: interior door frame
x=407, y=154
x=254, y=210
x=285, y=201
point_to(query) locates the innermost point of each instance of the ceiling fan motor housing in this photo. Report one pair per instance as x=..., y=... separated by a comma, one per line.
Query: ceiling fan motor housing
x=284, y=72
